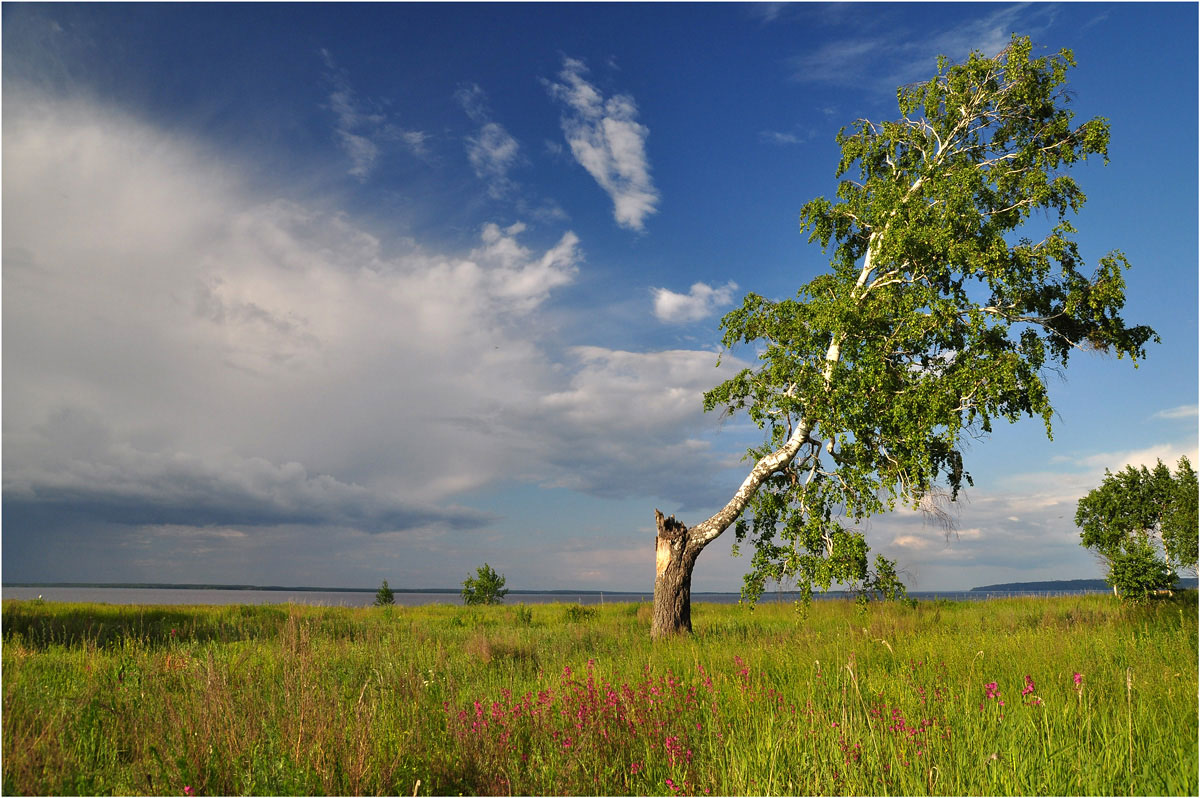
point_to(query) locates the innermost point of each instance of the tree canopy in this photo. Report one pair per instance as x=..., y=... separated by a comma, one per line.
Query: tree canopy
x=943, y=310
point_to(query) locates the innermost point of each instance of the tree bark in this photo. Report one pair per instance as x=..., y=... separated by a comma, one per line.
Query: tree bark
x=675, y=556
x=677, y=547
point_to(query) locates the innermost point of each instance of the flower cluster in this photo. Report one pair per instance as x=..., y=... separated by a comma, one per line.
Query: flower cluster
x=598, y=725
x=1028, y=690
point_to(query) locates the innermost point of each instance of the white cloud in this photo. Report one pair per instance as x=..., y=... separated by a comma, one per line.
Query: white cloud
x=897, y=57
x=701, y=301
x=1183, y=411
x=767, y=12
x=492, y=151
x=630, y=423
x=1022, y=528
x=474, y=101
x=178, y=342
x=360, y=129
x=1149, y=456
x=775, y=137
x=607, y=140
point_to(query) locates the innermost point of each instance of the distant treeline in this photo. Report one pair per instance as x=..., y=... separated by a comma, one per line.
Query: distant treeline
x=1061, y=584
x=168, y=586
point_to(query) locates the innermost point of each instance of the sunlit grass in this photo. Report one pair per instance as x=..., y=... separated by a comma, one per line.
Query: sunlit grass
x=553, y=700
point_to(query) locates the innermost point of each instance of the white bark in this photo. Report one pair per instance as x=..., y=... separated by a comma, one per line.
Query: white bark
x=707, y=531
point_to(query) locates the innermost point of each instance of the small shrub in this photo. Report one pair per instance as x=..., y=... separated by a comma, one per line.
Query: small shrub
x=524, y=615
x=486, y=587
x=577, y=613
x=384, y=596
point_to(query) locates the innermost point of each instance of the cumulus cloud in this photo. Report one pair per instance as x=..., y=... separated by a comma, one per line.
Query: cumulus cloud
x=183, y=350
x=608, y=141
x=361, y=127
x=700, y=302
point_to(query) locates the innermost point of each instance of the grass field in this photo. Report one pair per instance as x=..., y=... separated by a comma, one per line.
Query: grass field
x=1047, y=696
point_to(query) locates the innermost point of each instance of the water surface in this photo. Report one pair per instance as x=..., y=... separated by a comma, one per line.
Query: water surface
x=332, y=598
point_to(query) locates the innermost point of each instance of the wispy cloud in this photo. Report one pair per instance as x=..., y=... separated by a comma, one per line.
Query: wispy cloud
x=492, y=151
x=783, y=139
x=361, y=126
x=1174, y=413
x=767, y=12
x=894, y=58
x=701, y=301
x=608, y=141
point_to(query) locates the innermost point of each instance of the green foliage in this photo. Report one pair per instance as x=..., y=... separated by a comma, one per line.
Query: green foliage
x=486, y=587
x=384, y=596
x=1137, y=571
x=931, y=324
x=577, y=613
x=1143, y=523
x=1179, y=523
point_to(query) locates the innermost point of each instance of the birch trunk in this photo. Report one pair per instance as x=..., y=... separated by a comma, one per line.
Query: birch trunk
x=675, y=557
x=677, y=547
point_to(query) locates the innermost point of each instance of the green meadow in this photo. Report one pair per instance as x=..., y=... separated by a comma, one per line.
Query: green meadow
x=1047, y=696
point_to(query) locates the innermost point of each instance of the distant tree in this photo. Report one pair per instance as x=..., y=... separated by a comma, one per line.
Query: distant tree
x=486, y=587
x=1143, y=524
x=937, y=319
x=1180, y=524
x=384, y=595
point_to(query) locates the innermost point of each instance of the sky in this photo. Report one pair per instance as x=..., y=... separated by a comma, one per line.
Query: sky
x=307, y=294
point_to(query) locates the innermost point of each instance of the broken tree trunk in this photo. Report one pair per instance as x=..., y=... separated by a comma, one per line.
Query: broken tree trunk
x=675, y=556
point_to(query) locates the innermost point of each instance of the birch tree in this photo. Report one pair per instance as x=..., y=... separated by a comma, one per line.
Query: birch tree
x=955, y=284
x=1142, y=523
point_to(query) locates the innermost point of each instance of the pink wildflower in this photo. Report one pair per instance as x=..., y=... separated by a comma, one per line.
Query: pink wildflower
x=188, y=790
x=671, y=784
x=992, y=690
x=1028, y=685
x=635, y=768
x=1078, y=679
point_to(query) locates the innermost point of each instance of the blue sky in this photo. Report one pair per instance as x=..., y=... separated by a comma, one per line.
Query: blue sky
x=329, y=294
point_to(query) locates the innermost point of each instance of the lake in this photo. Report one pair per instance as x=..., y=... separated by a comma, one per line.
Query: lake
x=338, y=598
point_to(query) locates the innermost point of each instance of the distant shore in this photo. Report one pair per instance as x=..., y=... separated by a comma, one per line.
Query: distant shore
x=1061, y=585
x=304, y=589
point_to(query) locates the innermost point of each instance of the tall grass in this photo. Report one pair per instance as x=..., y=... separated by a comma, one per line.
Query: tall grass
x=946, y=698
